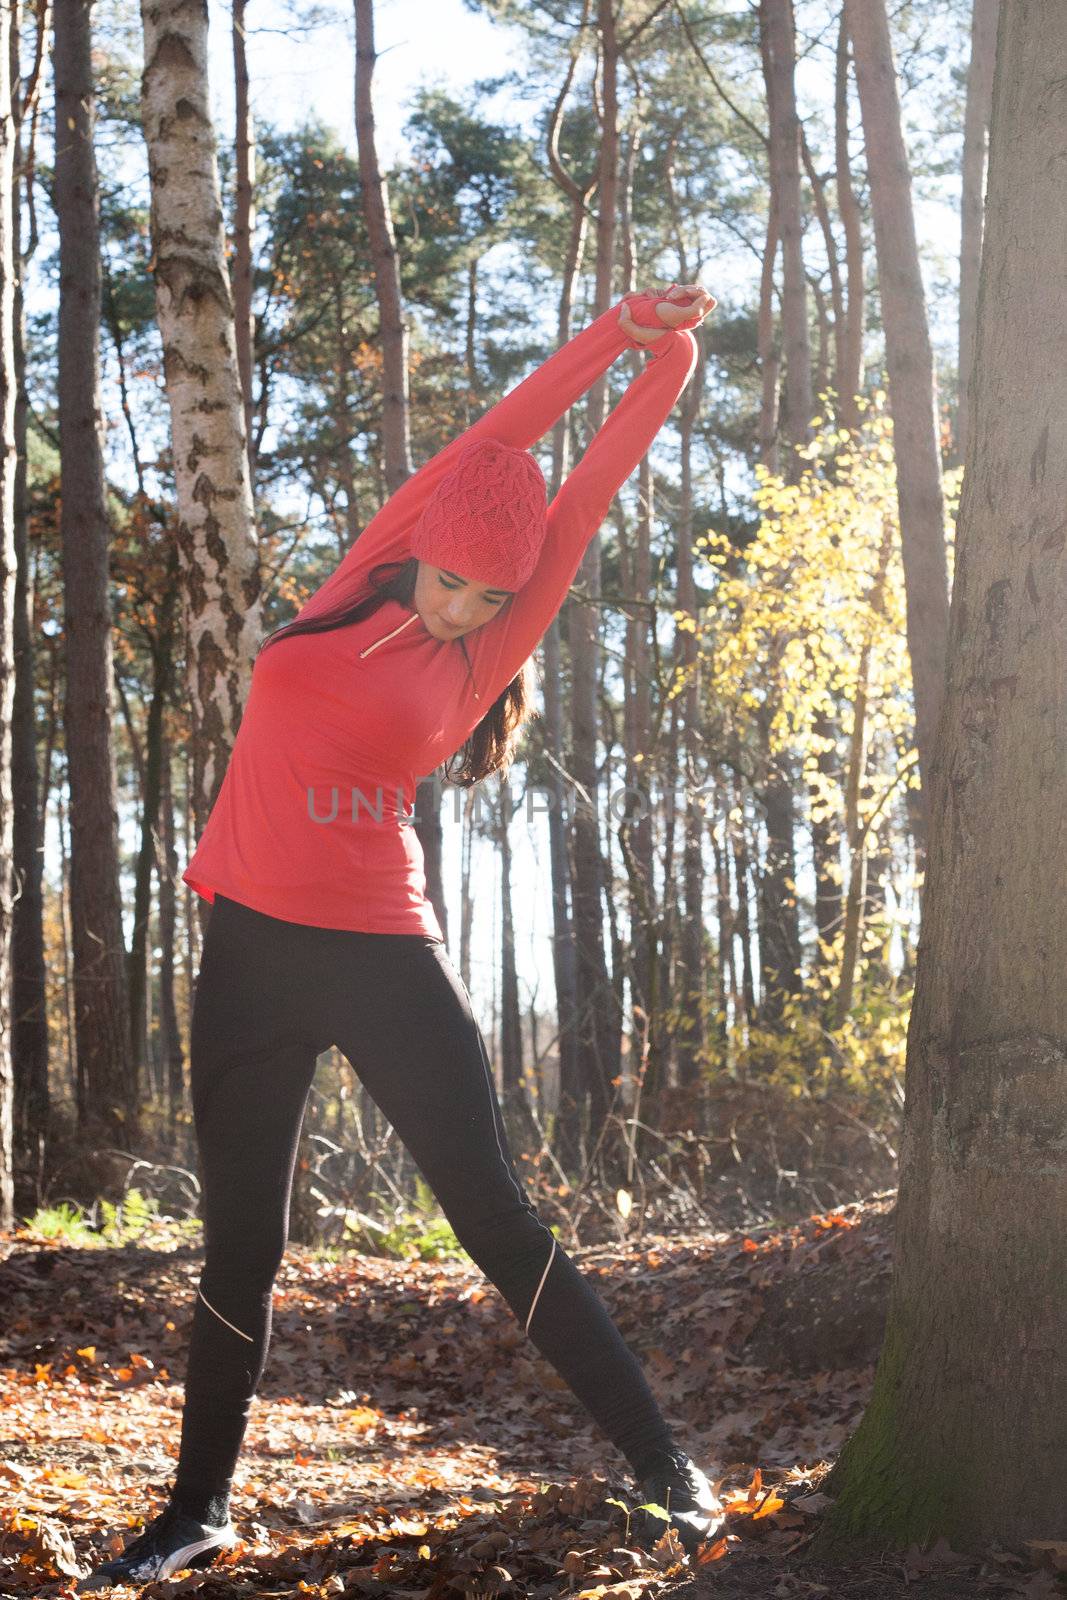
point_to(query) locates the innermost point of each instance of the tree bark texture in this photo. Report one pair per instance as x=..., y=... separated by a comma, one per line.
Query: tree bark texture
x=778, y=40
x=972, y=198
x=396, y=439
x=101, y=1013
x=910, y=363
x=29, y=1032
x=195, y=311
x=971, y=1386
x=9, y=268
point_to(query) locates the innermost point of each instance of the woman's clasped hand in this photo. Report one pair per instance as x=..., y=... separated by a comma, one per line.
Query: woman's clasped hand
x=677, y=307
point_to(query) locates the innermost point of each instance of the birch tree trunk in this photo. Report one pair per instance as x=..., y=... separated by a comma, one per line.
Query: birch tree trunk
x=963, y=1437
x=910, y=363
x=195, y=311
x=972, y=198
x=9, y=267
x=101, y=1012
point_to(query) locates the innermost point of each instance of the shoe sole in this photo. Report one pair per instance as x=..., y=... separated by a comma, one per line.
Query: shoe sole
x=201, y=1554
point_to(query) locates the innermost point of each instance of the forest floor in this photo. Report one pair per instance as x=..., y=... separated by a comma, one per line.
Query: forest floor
x=409, y=1440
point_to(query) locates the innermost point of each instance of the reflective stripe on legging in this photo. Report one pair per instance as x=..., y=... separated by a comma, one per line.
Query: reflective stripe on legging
x=221, y=1318
x=541, y=1285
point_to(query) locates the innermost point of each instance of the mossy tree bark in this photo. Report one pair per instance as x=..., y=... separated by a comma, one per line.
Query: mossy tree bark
x=964, y=1434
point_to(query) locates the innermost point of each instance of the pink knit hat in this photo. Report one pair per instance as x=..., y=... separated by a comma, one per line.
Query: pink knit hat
x=486, y=519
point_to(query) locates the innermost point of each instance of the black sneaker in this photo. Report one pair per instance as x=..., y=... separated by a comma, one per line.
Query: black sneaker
x=169, y=1544
x=674, y=1481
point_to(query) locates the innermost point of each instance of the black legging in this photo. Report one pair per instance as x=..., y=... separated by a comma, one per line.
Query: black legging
x=270, y=997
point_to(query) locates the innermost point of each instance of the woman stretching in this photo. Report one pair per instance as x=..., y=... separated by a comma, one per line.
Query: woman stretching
x=320, y=932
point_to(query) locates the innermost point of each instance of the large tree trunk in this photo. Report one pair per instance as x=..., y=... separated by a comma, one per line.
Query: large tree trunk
x=910, y=363
x=972, y=197
x=195, y=311
x=101, y=1011
x=9, y=372
x=971, y=1386
x=29, y=1029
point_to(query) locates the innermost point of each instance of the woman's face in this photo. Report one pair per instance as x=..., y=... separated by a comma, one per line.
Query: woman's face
x=451, y=605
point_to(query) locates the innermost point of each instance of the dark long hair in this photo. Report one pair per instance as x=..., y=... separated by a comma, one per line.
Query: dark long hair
x=492, y=744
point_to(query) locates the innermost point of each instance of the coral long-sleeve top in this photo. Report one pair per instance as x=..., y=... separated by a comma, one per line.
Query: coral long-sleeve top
x=312, y=822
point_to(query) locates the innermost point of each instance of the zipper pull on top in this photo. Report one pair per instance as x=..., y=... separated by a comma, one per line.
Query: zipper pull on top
x=385, y=636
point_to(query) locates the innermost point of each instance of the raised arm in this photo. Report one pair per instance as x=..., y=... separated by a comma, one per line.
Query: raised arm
x=579, y=509
x=521, y=418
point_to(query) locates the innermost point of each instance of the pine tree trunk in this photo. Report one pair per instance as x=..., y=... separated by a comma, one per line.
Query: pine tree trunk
x=510, y=1013
x=396, y=408
x=849, y=375
x=825, y=841
x=692, y=975
x=780, y=965
x=29, y=1032
x=767, y=349
x=963, y=1437
x=244, y=221
x=101, y=1009
x=594, y=1000
x=564, y=957
x=778, y=924
x=909, y=359
x=778, y=41
x=396, y=440
x=151, y=781
x=855, y=777
x=9, y=379
x=168, y=874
